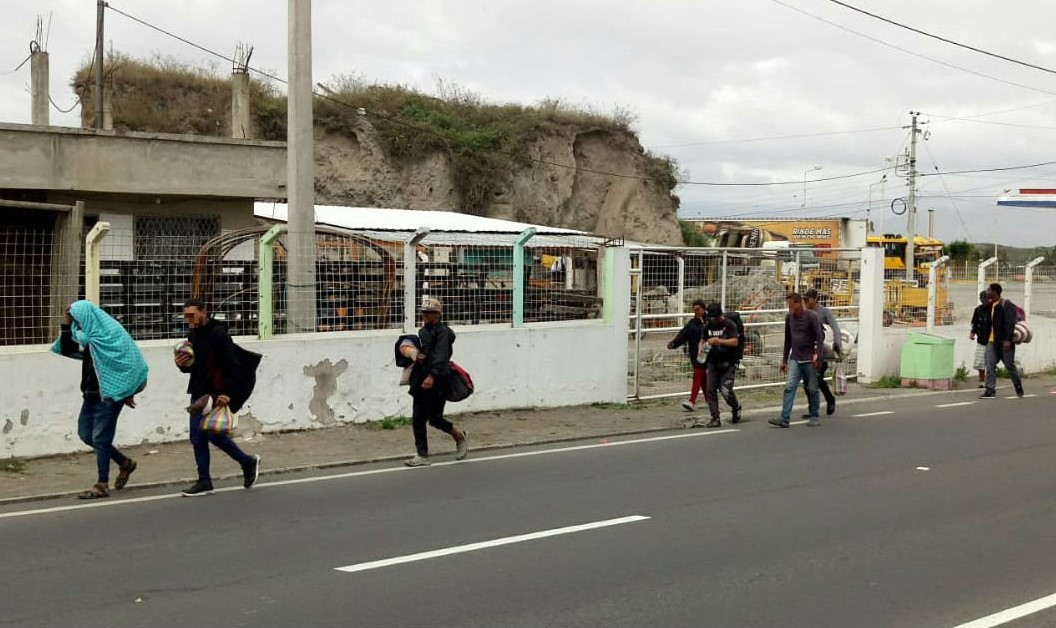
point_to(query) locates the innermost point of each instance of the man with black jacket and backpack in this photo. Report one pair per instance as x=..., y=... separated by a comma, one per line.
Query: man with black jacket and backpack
x=1001, y=346
x=429, y=381
x=226, y=374
x=690, y=335
x=720, y=343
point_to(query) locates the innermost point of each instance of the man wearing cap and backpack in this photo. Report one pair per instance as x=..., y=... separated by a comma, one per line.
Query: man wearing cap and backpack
x=831, y=349
x=719, y=351
x=429, y=381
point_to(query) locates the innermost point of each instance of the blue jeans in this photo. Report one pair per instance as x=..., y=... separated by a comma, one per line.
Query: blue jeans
x=200, y=442
x=800, y=372
x=96, y=426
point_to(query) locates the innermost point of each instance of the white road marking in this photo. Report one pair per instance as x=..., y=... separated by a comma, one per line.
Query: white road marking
x=923, y=468
x=954, y=405
x=1017, y=396
x=352, y=474
x=1012, y=614
x=803, y=422
x=472, y=547
x=868, y=414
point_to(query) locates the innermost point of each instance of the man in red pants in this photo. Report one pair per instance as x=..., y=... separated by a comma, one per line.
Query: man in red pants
x=691, y=334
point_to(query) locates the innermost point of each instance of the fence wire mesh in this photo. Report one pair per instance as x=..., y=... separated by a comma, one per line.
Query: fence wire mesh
x=358, y=282
x=562, y=280
x=752, y=282
x=32, y=283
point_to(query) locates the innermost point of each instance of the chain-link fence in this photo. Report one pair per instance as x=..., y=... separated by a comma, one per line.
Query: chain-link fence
x=752, y=282
x=964, y=287
x=38, y=271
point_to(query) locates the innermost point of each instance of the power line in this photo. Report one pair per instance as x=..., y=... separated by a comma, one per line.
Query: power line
x=943, y=39
x=1004, y=169
x=910, y=52
x=956, y=209
x=447, y=140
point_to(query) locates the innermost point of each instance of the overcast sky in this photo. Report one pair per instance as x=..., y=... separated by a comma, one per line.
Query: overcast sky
x=709, y=73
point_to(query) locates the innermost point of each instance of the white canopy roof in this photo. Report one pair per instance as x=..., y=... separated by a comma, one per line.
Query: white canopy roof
x=378, y=219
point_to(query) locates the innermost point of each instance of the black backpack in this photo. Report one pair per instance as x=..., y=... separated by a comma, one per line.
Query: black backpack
x=738, y=352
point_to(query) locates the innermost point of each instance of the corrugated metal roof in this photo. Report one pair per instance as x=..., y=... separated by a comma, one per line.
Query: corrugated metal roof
x=406, y=220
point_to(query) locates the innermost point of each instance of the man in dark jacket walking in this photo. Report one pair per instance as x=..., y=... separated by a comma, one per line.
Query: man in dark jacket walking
x=429, y=382
x=222, y=372
x=720, y=362
x=1000, y=347
x=981, y=325
x=810, y=301
x=691, y=334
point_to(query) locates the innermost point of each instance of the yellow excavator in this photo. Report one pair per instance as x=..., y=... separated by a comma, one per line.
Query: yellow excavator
x=907, y=301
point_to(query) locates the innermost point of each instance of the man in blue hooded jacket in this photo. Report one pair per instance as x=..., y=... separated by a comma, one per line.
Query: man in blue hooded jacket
x=112, y=372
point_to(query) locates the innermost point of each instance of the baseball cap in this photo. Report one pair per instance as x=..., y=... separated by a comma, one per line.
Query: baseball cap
x=714, y=311
x=431, y=304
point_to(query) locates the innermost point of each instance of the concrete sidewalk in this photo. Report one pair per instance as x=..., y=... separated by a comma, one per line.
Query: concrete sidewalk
x=173, y=463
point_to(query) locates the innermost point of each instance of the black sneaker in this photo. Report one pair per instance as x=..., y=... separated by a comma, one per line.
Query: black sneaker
x=778, y=422
x=988, y=394
x=1019, y=391
x=736, y=417
x=198, y=489
x=830, y=408
x=251, y=471
x=714, y=423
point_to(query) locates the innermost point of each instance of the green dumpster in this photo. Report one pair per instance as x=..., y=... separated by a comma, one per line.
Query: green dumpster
x=927, y=357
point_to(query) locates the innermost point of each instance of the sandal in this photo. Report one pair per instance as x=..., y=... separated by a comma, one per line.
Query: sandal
x=126, y=470
x=96, y=492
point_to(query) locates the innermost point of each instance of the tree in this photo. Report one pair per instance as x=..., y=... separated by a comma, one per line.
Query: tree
x=958, y=250
x=690, y=236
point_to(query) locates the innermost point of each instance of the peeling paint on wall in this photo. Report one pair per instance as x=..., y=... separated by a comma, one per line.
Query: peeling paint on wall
x=24, y=419
x=8, y=426
x=249, y=424
x=325, y=374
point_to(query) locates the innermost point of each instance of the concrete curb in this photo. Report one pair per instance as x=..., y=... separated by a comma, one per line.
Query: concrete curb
x=545, y=441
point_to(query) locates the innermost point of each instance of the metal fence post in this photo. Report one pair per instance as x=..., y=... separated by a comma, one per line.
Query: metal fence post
x=1028, y=284
x=796, y=288
x=91, y=260
x=981, y=278
x=518, y=275
x=410, y=277
x=638, y=325
x=722, y=292
x=933, y=288
x=681, y=293
x=265, y=282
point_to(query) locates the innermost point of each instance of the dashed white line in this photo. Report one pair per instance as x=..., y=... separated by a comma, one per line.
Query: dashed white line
x=954, y=405
x=869, y=414
x=352, y=474
x=1012, y=614
x=472, y=547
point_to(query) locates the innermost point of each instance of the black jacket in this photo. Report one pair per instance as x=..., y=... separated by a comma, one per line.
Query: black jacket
x=220, y=366
x=69, y=347
x=437, y=345
x=690, y=334
x=1004, y=322
x=981, y=324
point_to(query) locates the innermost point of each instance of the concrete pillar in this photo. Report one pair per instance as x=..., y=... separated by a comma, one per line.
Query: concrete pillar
x=871, y=316
x=616, y=290
x=108, y=107
x=40, y=78
x=300, y=173
x=241, y=120
x=65, y=261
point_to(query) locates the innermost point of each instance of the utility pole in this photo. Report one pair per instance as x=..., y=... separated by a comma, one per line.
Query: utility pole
x=300, y=173
x=100, y=10
x=911, y=260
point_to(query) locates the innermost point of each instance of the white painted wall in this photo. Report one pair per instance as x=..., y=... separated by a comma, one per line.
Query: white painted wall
x=541, y=365
x=1035, y=357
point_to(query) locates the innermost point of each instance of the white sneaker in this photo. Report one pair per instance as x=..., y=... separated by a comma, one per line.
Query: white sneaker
x=418, y=461
x=689, y=406
x=462, y=446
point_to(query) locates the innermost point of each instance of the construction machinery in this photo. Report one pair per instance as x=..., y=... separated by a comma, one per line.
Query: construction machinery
x=906, y=300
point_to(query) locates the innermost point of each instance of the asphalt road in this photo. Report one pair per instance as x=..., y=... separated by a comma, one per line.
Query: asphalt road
x=926, y=516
